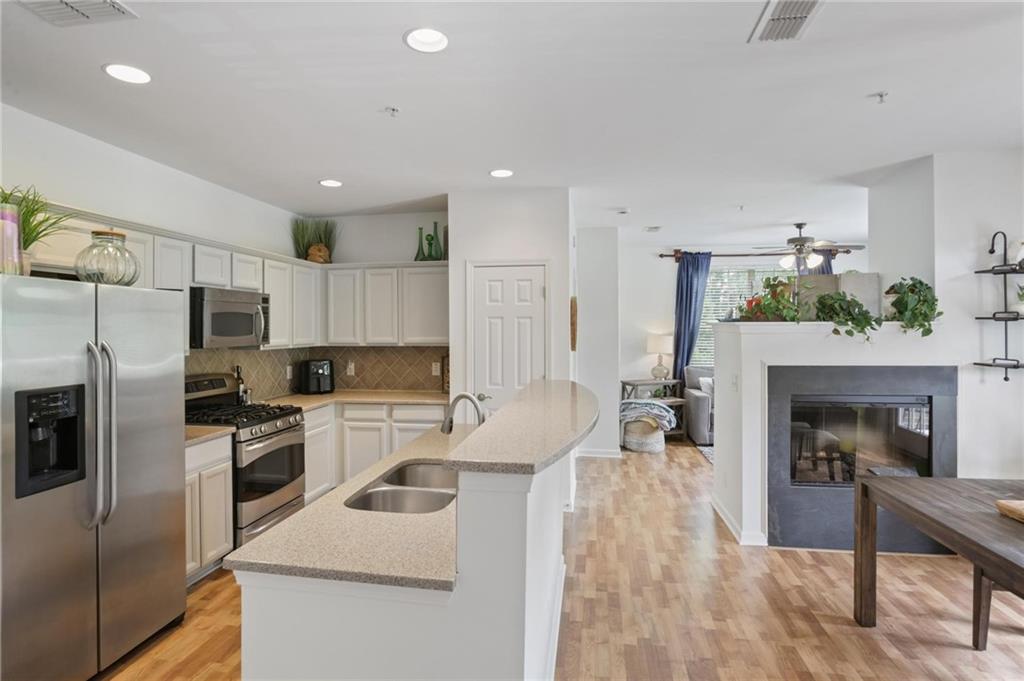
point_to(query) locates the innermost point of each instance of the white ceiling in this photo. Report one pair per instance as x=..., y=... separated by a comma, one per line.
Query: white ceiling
x=663, y=108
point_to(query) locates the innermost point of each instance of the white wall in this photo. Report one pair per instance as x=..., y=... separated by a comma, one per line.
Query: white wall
x=390, y=237
x=73, y=169
x=975, y=195
x=598, y=333
x=509, y=225
x=901, y=215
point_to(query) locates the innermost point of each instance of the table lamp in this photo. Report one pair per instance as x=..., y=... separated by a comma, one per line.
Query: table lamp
x=661, y=345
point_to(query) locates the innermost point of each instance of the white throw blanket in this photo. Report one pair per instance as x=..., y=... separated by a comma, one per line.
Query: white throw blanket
x=633, y=410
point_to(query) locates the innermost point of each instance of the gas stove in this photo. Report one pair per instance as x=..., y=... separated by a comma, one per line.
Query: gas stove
x=214, y=400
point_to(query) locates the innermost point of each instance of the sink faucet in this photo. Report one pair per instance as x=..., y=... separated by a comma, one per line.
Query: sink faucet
x=449, y=414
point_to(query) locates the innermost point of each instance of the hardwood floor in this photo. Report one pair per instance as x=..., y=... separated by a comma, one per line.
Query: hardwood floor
x=658, y=589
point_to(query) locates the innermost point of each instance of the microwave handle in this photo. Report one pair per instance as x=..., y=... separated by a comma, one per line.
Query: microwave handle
x=263, y=324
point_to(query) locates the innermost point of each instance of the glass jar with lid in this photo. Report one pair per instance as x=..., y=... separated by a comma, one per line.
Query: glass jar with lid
x=107, y=260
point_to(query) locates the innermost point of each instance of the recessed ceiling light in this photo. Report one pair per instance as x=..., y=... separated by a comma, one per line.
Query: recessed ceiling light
x=127, y=74
x=426, y=40
x=502, y=172
x=330, y=183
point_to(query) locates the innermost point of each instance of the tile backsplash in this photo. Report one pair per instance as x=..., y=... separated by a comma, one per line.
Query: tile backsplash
x=376, y=368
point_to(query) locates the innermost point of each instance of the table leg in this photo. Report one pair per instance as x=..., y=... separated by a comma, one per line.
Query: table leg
x=865, y=556
x=982, y=608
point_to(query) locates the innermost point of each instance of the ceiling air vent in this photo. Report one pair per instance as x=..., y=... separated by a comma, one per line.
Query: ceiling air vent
x=78, y=12
x=783, y=19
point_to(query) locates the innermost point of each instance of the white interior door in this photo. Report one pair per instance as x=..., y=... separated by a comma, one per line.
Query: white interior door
x=508, y=330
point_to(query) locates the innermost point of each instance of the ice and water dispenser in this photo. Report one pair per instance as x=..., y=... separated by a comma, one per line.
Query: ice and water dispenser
x=49, y=438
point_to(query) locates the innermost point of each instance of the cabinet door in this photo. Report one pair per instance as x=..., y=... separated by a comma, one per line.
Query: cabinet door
x=172, y=264
x=216, y=524
x=246, y=272
x=305, y=306
x=193, y=548
x=345, y=307
x=365, y=444
x=381, y=307
x=319, y=462
x=211, y=266
x=425, y=306
x=404, y=433
x=277, y=283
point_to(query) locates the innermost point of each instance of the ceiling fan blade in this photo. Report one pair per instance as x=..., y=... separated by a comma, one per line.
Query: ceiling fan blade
x=823, y=243
x=767, y=248
x=844, y=247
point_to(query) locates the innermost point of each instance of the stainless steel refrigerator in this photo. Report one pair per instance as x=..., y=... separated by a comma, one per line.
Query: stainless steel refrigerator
x=92, y=519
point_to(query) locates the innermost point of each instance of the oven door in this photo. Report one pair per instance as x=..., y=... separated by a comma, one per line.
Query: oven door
x=269, y=473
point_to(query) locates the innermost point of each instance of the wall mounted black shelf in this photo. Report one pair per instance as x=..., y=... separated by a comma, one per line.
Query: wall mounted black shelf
x=1006, y=315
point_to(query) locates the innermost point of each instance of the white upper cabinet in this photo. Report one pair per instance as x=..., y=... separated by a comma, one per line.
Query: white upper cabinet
x=277, y=283
x=345, y=307
x=381, y=307
x=425, y=306
x=211, y=266
x=172, y=264
x=306, y=306
x=246, y=272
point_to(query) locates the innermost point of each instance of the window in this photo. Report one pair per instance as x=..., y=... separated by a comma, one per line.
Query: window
x=914, y=419
x=727, y=288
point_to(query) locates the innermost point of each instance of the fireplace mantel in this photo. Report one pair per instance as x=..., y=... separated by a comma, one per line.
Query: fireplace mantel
x=743, y=353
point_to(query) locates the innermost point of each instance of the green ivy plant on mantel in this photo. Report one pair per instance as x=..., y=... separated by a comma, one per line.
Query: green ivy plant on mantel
x=847, y=313
x=914, y=305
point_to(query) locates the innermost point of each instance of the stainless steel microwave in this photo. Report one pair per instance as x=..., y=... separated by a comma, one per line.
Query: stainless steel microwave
x=224, y=318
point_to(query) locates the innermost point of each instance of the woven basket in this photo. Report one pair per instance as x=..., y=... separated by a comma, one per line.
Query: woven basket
x=641, y=436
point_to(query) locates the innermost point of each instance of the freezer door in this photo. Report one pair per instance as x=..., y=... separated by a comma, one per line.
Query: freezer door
x=48, y=621
x=142, y=536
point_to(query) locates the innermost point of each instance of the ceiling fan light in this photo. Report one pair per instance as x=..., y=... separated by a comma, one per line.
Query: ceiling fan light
x=813, y=260
x=787, y=262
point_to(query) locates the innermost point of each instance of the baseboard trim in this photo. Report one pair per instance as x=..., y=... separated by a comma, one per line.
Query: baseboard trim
x=726, y=518
x=601, y=453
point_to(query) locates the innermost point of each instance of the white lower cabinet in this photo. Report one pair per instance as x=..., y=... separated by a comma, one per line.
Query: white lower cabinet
x=320, y=452
x=365, y=443
x=404, y=433
x=209, y=516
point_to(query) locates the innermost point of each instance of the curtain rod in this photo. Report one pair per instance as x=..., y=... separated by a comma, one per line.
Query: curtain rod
x=677, y=253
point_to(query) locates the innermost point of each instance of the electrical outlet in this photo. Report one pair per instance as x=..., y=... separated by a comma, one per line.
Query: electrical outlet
x=350, y=370
x=288, y=372
x=435, y=369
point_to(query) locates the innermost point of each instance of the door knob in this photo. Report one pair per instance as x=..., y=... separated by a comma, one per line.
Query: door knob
x=482, y=397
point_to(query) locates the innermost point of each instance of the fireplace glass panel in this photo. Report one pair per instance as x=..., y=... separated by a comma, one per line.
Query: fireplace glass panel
x=833, y=440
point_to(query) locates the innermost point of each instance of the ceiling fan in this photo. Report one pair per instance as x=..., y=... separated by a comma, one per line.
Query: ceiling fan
x=801, y=249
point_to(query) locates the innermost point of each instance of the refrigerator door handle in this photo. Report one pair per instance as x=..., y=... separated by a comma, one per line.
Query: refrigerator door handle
x=112, y=435
x=97, y=363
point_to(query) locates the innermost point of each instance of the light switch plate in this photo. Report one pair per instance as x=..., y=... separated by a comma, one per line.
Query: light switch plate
x=288, y=372
x=435, y=369
x=350, y=370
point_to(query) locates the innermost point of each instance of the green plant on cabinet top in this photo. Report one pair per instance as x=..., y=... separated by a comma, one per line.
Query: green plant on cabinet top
x=36, y=223
x=847, y=313
x=914, y=306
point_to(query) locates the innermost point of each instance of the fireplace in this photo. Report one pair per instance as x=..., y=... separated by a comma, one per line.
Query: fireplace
x=827, y=426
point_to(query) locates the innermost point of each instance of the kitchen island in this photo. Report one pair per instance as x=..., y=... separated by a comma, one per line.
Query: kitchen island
x=472, y=590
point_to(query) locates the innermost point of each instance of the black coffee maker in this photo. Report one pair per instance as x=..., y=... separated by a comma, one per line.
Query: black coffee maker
x=316, y=376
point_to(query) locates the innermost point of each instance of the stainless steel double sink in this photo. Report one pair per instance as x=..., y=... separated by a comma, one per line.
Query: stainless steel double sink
x=411, y=488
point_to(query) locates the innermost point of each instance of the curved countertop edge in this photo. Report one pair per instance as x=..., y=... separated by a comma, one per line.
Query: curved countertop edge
x=545, y=421
x=350, y=396
x=195, y=435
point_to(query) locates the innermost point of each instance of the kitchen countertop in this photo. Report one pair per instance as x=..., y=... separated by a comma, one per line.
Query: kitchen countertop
x=196, y=434
x=328, y=540
x=363, y=397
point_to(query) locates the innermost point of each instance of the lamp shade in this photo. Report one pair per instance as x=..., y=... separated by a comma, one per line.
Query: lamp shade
x=659, y=344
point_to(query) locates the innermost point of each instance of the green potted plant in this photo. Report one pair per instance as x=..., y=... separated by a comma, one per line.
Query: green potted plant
x=913, y=304
x=313, y=238
x=775, y=304
x=37, y=224
x=847, y=314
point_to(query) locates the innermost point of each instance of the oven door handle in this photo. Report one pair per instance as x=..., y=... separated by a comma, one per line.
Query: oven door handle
x=251, y=451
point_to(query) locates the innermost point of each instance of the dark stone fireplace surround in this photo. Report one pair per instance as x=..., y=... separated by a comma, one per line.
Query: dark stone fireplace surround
x=822, y=517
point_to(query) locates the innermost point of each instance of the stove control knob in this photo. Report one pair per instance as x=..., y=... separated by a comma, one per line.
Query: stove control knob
x=253, y=431
x=300, y=418
x=293, y=420
x=263, y=429
x=278, y=424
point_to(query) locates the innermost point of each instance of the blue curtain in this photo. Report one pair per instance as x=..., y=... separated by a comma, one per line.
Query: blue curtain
x=824, y=268
x=691, y=280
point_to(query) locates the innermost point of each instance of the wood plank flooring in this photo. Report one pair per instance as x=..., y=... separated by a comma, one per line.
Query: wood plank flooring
x=658, y=589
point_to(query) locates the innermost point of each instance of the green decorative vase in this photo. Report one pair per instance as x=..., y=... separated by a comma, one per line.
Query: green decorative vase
x=430, y=247
x=436, y=252
x=420, y=255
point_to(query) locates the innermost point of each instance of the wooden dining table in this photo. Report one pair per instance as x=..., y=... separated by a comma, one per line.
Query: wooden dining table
x=956, y=512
